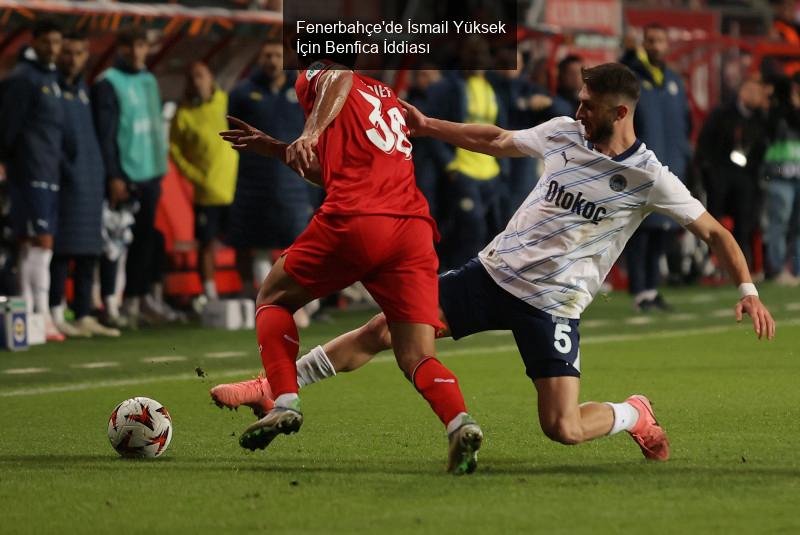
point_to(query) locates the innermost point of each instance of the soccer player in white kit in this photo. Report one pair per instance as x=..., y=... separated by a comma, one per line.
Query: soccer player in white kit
x=538, y=275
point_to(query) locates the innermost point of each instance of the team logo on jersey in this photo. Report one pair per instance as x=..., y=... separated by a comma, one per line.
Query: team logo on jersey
x=574, y=202
x=617, y=183
x=672, y=87
x=313, y=69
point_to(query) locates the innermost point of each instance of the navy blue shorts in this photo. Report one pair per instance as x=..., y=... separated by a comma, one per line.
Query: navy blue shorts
x=34, y=208
x=472, y=302
x=210, y=223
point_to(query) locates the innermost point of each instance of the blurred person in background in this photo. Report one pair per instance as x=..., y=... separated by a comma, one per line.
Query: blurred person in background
x=270, y=206
x=80, y=211
x=207, y=161
x=526, y=105
x=431, y=156
x=31, y=142
x=784, y=21
x=474, y=206
x=782, y=171
x=570, y=82
x=663, y=123
x=729, y=153
x=128, y=119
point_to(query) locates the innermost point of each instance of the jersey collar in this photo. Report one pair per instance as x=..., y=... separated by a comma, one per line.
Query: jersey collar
x=630, y=151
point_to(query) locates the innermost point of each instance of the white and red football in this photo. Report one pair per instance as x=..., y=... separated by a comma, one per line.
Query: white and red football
x=140, y=427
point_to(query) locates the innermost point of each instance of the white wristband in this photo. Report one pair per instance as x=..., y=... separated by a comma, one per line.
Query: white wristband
x=747, y=288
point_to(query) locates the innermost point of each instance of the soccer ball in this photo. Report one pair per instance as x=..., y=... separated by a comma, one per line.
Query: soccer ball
x=140, y=427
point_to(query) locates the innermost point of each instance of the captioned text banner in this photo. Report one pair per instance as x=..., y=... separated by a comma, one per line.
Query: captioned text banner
x=395, y=34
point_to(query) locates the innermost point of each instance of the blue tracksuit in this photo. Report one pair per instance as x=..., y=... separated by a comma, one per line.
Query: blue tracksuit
x=663, y=123
x=31, y=138
x=271, y=204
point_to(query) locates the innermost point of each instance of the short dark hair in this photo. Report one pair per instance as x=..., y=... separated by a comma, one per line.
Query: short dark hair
x=571, y=58
x=76, y=35
x=612, y=79
x=130, y=34
x=654, y=26
x=45, y=25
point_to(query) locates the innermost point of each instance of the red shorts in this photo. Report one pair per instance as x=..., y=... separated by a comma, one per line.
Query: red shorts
x=392, y=256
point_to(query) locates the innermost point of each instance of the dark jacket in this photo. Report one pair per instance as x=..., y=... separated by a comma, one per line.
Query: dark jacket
x=564, y=104
x=271, y=203
x=663, y=123
x=727, y=129
x=82, y=178
x=31, y=122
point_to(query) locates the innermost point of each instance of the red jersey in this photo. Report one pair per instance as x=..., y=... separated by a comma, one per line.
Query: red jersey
x=365, y=153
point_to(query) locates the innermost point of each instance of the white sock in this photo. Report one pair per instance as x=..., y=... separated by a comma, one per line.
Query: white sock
x=157, y=292
x=25, y=277
x=313, y=367
x=132, y=306
x=210, y=289
x=111, y=303
x=625, y=417
x=646, y=295
x=262, y=263
x=57, y=313
x=285, y=400
x=455, y=423
x=39, y=260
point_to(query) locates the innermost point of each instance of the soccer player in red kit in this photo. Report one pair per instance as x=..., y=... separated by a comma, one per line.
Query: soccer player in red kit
x=374, y=227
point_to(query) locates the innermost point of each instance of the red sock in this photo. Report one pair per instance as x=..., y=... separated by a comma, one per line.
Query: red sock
x=439, y=387
x=278, y=343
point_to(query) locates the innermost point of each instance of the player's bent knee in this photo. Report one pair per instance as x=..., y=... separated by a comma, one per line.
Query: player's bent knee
x=564, y=431
x=377, y=331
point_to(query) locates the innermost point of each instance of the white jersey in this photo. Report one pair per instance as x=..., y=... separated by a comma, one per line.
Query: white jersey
x=560, y=244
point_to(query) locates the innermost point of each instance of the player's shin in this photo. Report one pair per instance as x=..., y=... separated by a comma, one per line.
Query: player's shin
x=278, y=343
x=440, y=389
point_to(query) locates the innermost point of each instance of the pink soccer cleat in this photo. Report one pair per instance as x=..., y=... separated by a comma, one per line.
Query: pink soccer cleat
x=255, y=393
x=647, y=433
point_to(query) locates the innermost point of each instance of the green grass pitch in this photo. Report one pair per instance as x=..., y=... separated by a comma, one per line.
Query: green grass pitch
x=371, y=455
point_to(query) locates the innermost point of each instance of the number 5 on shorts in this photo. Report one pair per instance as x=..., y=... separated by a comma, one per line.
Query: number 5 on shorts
x=562, y=343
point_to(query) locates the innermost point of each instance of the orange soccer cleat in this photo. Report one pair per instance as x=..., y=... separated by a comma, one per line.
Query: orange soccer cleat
x=647, y=433
x=255, y=393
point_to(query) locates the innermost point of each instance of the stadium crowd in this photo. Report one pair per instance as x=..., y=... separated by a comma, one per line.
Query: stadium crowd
x=83, y=162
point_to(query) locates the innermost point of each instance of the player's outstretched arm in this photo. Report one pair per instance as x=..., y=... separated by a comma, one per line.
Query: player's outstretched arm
x=249, y=138
x=485, y=138
x=724, y=245
x=332, y=90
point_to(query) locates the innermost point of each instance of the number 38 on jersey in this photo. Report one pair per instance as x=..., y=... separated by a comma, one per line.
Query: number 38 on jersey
x=387, y=137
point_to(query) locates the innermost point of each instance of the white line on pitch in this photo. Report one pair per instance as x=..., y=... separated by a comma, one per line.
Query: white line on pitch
x=388, y=358
x=792, y=306
x=591, y=324
x=226, y=354
x=94, y=365
x=23, y=371
x=114, y=383
x=681, y=317
x=639, y=320
x=722, y=312
x=167, y=358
